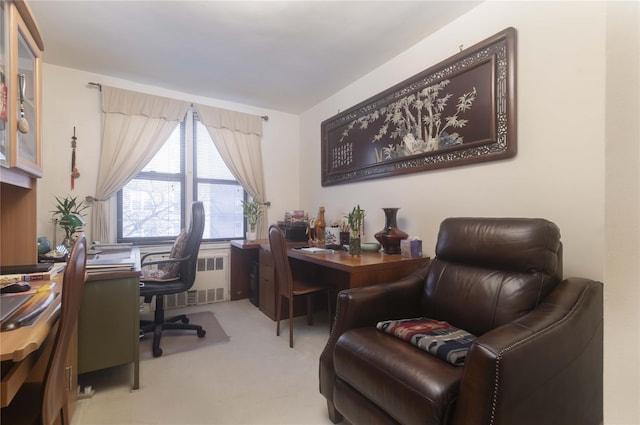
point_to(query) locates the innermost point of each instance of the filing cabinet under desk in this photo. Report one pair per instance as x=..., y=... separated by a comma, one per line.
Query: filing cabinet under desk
x=109, y=324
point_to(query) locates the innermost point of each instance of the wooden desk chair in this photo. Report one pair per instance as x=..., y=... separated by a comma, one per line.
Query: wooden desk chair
x=288, y=287
x=46, y=402
x=177, y=274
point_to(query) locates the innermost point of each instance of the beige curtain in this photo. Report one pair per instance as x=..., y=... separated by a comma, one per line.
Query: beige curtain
x=134, y=128
x=237, y=137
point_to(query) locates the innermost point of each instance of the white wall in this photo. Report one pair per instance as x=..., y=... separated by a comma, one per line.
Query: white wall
x=565, y=88
x=69, y=101
x=558, y=173
x=558, y=170
x=622, y=214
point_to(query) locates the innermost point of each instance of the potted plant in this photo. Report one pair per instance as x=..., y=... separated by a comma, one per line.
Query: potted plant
x=252, y=212
x=68, y=215
x=355, y=219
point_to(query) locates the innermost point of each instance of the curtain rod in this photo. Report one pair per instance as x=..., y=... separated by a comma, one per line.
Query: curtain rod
x=99, y=86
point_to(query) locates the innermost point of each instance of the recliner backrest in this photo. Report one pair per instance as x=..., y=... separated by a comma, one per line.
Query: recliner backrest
x=490, y=271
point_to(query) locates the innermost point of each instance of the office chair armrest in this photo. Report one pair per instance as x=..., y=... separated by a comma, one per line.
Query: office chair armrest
x=167, y=260
x=142, y=258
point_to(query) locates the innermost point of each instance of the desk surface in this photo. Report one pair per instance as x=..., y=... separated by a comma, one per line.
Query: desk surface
x=341, y=260
x=17, y=344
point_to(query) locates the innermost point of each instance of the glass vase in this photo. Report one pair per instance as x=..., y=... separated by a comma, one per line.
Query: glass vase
x=390, y=236
x=355, y=246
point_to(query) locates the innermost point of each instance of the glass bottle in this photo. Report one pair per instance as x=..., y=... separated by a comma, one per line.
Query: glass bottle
x=320, y=225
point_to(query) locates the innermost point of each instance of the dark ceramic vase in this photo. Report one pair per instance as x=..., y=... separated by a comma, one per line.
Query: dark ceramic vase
x=390, y=236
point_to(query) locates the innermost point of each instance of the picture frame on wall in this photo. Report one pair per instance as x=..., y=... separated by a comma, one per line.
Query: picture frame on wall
x=461, y=111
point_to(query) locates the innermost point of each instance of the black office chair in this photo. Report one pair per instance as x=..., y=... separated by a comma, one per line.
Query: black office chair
x=46, y=402
x=178, y=275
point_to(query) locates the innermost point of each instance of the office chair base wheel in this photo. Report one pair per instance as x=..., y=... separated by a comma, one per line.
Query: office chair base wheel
x=201, y=333
x=157, y=352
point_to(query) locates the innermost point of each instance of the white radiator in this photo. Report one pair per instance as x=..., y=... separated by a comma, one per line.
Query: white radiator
x=211, y=285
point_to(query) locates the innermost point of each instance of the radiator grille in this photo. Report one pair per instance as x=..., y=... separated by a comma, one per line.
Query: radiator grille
x=211, y=285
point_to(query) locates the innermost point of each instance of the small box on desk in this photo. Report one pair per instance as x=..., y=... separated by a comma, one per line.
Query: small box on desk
x=411, y=248
x=294, y=231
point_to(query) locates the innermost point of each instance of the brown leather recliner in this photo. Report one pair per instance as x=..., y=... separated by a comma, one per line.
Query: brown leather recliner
x=537, y=358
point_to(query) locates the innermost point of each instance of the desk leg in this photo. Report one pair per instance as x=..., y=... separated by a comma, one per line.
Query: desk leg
x=136, y=336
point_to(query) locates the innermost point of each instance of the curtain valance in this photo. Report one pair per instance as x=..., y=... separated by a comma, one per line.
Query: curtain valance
x=133, y=103
x=230, y=120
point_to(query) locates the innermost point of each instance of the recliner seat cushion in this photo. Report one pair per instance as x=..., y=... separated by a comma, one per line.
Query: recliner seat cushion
x=408, y=384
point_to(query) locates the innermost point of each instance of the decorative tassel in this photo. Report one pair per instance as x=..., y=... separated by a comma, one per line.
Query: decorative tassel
x=74, y=171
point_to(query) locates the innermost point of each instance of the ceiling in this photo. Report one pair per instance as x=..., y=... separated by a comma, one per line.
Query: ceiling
x=281, y=55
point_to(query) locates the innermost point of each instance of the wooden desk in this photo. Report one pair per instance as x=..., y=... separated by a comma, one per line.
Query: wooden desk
x=25, y=351
x=344, y=271
x=17, y=344
x=339, y=269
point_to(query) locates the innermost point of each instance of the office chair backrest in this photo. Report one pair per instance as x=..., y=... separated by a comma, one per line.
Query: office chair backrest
x=192, y=247
x=281, y=261
x=54, y=395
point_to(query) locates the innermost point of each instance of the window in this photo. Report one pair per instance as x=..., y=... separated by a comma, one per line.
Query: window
x=153, y=206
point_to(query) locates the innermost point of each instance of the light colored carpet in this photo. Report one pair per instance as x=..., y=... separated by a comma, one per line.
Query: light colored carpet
x=254, y=379
x=178, y=341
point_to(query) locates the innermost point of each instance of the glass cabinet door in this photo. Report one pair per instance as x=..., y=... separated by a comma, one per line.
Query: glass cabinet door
x=5, y=153
x=27, y=101
x=27, y=107
x=20, y=123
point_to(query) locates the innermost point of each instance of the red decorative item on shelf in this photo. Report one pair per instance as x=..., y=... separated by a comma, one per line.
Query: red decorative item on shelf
x=390, y=236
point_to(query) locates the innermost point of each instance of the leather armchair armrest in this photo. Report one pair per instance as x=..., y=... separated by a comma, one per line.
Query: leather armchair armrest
x=530, y=364
x=367, y=306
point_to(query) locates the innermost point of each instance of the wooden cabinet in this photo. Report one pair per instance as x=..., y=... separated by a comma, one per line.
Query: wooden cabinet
x=266, y=282
x=70, y=369
x=244, y=255
x=18, y=244
x=20, y=153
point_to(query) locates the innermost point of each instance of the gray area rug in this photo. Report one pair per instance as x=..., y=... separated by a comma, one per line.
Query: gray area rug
x=178, y=341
